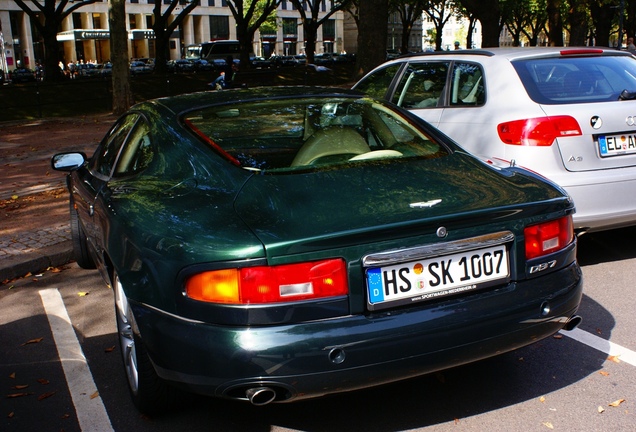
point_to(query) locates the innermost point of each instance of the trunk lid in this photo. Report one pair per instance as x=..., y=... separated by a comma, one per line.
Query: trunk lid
x=606, y=124
x=381, y=202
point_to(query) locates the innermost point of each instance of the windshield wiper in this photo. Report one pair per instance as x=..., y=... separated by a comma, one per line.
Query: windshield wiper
x=627, y=95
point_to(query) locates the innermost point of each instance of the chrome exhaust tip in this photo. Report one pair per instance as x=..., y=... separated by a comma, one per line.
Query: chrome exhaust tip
x=260, y=396
x=573, y=323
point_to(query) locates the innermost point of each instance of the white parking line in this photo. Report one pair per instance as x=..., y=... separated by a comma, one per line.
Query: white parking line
x=89, y=407
x=610, y=348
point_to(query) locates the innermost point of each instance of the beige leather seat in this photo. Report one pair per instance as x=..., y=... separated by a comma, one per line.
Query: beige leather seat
x=330, y=141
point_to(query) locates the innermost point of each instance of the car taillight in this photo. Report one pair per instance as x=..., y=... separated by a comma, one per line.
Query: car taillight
x=540, y=131
x=548, y=237
x=270, y=284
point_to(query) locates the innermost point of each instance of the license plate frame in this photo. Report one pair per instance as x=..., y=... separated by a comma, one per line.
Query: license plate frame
x=616, y=145
x=400, y=284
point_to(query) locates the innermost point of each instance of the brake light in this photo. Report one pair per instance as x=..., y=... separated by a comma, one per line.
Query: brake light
x=580, y=51
x=540, y=131
x=270, y=284
x=548, y=237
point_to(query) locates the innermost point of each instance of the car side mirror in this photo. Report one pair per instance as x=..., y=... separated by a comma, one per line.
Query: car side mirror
x=68, y=161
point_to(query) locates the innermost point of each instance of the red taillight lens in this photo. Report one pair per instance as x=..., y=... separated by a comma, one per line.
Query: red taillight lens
x=270, y=284
x=540, y=131
x=548, y=237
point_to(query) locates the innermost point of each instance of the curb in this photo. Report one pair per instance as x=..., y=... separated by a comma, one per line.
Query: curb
x=36, y=261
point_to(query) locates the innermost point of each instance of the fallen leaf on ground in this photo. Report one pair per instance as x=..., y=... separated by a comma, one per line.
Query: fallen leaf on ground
x=548, y=425
x=20, y=387
x=110, y=349
x=542, y=399
x=33, y=341
x=43, y=381
x=614, y=359
x=12, y=375
x=558, y=336
x=17, y=395
x=604, y=373
x=617, y=402
x=82, y=294
x=601, y=410
x=46, y=395
x=94, y=395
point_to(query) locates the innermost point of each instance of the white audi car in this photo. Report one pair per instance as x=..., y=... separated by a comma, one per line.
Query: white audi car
x=566, y=113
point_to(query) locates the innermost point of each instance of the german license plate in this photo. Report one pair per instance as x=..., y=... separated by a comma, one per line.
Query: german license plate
x=436, y=277
x=615, y=145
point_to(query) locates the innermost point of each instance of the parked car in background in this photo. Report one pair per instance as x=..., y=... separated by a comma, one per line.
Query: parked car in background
x=180, y=66
x=22, y=75
x=200, y=65
x=565, y=113
x=275, y=244
x=260, y=62
x=89, y=70
x=140, y=68
x=106, y=70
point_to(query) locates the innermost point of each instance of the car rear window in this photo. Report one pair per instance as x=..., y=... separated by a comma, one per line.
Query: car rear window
x=567, y=80
x=290, y=134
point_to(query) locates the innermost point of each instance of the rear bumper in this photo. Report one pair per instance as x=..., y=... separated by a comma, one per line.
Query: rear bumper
x=603, y=199
x=317, y=358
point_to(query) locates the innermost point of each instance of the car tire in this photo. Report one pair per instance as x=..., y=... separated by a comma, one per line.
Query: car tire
x=150, y=394
x=81, y=254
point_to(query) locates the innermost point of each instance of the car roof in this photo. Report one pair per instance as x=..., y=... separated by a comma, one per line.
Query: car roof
x=514, y=53
x=186, y=102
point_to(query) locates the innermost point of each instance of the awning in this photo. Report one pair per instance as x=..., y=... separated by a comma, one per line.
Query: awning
x=136, y=34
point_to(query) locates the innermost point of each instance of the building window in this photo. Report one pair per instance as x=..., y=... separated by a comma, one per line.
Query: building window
x=77, y=20
x=290, y=26
x=97, y=21
x=219, y=27
x=329, y=29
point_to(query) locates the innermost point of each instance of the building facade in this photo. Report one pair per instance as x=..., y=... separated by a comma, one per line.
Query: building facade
x=84, y=36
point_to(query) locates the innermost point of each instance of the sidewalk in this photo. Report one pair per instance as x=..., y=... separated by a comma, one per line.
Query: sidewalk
x=35, y=230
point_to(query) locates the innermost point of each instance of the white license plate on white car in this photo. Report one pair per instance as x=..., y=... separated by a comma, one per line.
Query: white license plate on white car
x=429, y=278
x=616, y=145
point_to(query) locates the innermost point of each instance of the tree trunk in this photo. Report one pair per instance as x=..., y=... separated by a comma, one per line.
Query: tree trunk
x=439, y=37
x=122, y=96
x=555, y=24
x=245, y=37
x=488, y=12
x=578, y=26
x=161, y=54
x=310, y=41
x=372, y=35
x=406, y=33
x=51, y=56
x=602, y=19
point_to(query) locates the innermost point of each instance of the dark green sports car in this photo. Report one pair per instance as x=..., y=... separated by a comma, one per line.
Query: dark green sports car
x=277, y=244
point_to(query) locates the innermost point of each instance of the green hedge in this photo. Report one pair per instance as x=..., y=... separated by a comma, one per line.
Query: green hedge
x=94, y=95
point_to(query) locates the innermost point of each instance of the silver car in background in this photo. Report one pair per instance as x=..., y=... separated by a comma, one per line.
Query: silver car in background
x=566, y=113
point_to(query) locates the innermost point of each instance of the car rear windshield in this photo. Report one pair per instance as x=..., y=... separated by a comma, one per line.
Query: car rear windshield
x=567, y=80
x=292, y=134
